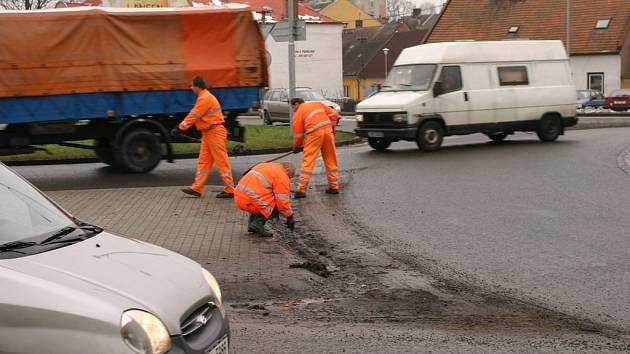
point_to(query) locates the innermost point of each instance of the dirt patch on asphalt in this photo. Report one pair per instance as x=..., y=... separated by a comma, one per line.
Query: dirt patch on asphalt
x=366, y=283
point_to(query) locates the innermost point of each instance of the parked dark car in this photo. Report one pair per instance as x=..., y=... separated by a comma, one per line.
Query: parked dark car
x=618, y=101
x=275, y=106
x=589, y=99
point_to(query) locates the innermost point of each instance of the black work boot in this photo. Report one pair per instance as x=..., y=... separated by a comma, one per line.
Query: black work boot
x=191, y=191
x=299, y=195
x=251, y=228
x=258, y=225
x=225, y=195
x=332, y=191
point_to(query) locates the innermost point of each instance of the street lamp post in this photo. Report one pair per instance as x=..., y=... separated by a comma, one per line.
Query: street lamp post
x=385, y=51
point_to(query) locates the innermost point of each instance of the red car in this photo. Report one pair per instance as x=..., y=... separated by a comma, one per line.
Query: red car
x=618, y=101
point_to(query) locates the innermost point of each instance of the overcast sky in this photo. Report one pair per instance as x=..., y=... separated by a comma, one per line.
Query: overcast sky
x=435, y=2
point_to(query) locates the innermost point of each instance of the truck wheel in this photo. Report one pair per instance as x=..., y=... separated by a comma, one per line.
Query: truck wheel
x=140, y=151
x=379, y=144
x=267, y=118
x=549, y=129
x=497, y=136
x=105, y=152
x=430, y=136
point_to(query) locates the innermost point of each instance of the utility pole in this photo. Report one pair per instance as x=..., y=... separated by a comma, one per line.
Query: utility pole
x=292, y=14
x=568, y=37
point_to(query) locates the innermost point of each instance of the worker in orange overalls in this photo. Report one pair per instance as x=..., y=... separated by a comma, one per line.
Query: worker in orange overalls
x=313, y=126
x=207, y=117
x=264, y=193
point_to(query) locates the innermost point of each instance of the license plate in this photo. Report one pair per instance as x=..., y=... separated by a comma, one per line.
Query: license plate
x=620, y=102
x=221, y=348
x=376, y=134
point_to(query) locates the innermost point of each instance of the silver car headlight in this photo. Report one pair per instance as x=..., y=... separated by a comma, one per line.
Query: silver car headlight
x=214, y=285
x=144, y=333
x=337, y=108
x=359, y=117
x=400, y=117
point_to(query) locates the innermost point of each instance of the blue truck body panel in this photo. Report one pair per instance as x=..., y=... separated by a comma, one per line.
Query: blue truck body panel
x=82, y=106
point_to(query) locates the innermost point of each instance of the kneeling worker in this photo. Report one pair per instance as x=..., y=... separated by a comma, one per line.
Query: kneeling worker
x=264, y=192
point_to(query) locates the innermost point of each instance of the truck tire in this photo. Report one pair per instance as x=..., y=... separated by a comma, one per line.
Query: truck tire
x=140, y=151
x=550, y=128
x=379, y=144
x=430, y=136
x=497, y=137
x=105, y=152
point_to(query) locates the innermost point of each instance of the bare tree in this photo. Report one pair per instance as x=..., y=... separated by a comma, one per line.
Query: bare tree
x=25, y=4
x=396, y=9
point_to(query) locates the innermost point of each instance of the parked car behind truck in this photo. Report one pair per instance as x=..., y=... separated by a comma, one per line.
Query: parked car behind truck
x=275, y=106
x=495, y=88
x=121, y=77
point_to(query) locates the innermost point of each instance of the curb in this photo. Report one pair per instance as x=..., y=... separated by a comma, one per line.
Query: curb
x=234, y=153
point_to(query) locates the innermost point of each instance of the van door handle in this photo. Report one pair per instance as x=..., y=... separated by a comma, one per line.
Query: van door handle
x=466, y=96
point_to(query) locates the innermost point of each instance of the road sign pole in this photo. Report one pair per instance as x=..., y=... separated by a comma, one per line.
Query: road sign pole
x=292, y=18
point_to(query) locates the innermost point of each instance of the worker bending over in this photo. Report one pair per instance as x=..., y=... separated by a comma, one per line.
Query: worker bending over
x=313, y=126
x=264, y=192
x=207, y=117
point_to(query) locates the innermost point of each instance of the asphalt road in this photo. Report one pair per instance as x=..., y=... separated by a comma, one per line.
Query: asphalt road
x=547, y=223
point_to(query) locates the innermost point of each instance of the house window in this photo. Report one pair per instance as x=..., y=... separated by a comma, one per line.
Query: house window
x=346, y=91
x=513, y=29
x=596, y=82
x=513, y=76
x=451, y=78
x=358, y=23
x=603, y=23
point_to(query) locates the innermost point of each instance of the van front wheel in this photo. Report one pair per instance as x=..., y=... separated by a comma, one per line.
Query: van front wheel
x=379, y=144
x=549, y=129
x=430, y=136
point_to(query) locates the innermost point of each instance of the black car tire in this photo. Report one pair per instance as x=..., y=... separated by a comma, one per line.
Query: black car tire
x=550, y=128
x=267, y=118
x=379, y=144
x=140, y=151
x=430, y=136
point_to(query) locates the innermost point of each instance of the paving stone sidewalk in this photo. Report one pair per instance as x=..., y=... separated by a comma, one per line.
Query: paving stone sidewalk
x=211, y=231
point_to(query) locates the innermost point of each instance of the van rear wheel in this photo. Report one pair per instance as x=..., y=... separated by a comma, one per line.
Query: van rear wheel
x=430, y=136
x=379, y=144
x=550, y=128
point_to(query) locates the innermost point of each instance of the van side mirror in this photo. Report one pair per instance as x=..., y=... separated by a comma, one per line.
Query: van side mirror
x=438, y=88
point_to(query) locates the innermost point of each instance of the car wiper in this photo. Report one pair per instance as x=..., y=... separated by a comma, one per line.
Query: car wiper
x=406, y=85
x=88, y=227
x=59, y=234
x=15, y=245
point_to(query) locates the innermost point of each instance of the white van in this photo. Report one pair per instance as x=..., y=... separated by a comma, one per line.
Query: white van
x=455, y=88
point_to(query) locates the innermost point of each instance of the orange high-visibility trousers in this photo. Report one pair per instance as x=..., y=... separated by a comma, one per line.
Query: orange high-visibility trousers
x=213, y=151
x=321, y=140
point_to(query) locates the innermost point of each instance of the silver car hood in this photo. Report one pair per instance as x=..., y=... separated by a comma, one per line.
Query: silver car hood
x=122, y=273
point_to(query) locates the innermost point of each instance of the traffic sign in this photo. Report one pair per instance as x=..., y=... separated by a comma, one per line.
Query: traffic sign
x=281, y=31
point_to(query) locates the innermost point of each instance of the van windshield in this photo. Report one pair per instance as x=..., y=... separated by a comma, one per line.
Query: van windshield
x=410, y=78
x=24, y=212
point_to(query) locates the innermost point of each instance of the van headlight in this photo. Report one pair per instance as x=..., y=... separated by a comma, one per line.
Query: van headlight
x=400, y=117
x=214, y=285
x=359, y=117
x=144, y=333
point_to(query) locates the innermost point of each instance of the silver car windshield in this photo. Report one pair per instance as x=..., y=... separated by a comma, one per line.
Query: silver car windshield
x=410, y=78
x=310, y=95
x=24, y=212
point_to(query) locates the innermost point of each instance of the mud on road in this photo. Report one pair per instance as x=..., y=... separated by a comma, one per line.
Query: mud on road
x=358, y=278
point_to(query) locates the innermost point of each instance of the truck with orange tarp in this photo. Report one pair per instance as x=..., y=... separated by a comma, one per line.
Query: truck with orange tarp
x=121, y=77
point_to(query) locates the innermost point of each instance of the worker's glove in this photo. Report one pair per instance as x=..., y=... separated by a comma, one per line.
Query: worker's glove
x=290, y=223
x=174, y=132
x=297, y=149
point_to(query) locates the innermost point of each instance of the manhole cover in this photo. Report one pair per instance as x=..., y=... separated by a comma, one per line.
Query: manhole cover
x=623, y=161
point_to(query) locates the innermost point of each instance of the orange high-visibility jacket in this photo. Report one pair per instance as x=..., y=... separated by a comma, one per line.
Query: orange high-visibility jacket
x=311, y=116
x=205, y=114
x=269, y=186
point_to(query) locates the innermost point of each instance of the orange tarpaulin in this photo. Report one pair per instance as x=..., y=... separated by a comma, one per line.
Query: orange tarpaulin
x=111, y=50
